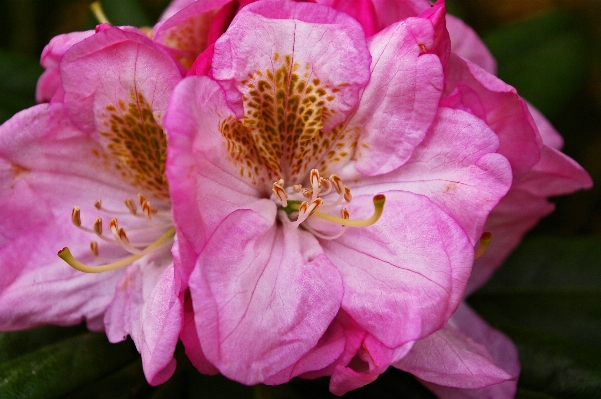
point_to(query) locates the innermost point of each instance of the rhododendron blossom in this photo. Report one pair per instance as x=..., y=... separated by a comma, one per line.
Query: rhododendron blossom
x=323, y=200
x=86, y=172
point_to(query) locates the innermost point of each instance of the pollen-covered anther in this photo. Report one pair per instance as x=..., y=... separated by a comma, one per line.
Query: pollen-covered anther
x=98, y=226
x=280, y=192
x=297, y=188
x=131, y=205
x=337, y=181
x=94, y=248
x=315, y=180
x=98, y=204
x=344, y=213
x=347, y=194
x=307, y=193
x=76, y=216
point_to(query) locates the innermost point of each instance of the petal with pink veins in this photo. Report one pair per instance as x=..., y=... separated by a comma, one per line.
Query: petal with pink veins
x=456, y=167
x=400, y=102
x=414, y=254
x=476, y=341
x=275, y=303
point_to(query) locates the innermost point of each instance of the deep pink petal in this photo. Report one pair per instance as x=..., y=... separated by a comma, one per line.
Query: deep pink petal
x=517, y=213
x=404, y=275
x=362, y=10
x=456, y=167
x=500, y=349
x=186, y=34
x=467, y=44
x=554, y=174
x=400, y=102
x=550, y=136
x=327, y=47
x=451, y=358
x=243, y=297
x=189, y=337
x=111, y=70
x=391, y=11
x=499, y=105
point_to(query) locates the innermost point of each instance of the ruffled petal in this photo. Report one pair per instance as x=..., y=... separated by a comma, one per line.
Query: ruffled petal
x=146, y=306
x=471, y=88
x=42, y=177
x=403, y=276
x=263, y=288
x=467, y=44
x=475, y=333
x=517, y=213
x=456, y=167
x=326, y=49
x=186, y=33
x=400, y=102
x=53, y=53
x=113, y=74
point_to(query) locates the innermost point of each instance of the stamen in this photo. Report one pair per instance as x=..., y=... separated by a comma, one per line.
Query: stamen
x=131, y=205
x=347, y=194
x=98, y=13
x=307, y=193
x=94, y=248
x=66, y=255
x=483, y=245
x=297, y=188
x=76, y=216
x=98, y=226
x=337, y=181
x=314, y=179
x=379, y=200
x=280, y=193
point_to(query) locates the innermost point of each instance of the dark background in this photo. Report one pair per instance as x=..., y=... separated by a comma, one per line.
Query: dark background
x=547, y=296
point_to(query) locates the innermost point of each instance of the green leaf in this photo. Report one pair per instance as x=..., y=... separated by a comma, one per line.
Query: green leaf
x=19, y=76
x=124, y=12
x=17, y=343
x=58, y=369
x=547, y=298
x=545, y=58
x=556, y=366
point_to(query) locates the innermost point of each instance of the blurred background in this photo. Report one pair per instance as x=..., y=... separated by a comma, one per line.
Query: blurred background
x=548, y=295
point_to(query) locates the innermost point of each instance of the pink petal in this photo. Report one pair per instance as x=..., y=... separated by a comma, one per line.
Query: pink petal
x=42, y=176
x=400, y=102
x=362, y=10
x=271, y=302
x=226, y=310
x=404, y=275
x=186, y=33
x=500, y=350
x=517, y=213
x=391, y=11
x=466, y=44
x=147, y=307
x=52, y=54
x=114, y=68
x=328, y=48
x=550, y=136
x=189, y=337
x=554, y=174
x=456, y=167
x=500, y=107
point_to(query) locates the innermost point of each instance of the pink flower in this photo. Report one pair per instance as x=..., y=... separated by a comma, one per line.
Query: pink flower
x=303, y=119
x=470, y=354
x=100, y=142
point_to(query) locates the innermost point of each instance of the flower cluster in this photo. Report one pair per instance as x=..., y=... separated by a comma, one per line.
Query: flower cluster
x=289, y=188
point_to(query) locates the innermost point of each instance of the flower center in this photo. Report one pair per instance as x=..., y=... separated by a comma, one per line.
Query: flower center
x=154, y=223
x=303, y=203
